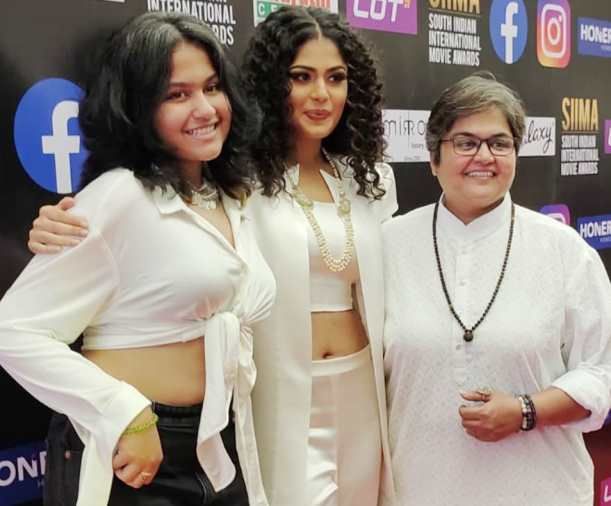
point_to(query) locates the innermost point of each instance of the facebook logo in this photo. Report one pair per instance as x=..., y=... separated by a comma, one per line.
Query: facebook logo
x=47, y=135
x=508, y=29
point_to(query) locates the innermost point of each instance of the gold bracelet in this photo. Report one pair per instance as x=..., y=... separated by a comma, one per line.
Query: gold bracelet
x=135, y=429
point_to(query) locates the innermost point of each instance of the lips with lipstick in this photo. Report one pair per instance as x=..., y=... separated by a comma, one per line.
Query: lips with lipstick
x=318, y=114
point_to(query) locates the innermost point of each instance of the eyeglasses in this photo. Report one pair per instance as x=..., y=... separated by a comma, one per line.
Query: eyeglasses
x=468, y=145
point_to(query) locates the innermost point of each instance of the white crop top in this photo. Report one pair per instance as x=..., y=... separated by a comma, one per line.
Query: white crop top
x=150, y=272
x=330, y=291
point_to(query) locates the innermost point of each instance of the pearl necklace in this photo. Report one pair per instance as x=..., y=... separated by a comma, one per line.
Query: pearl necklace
x=205, y=197
x=343, y=211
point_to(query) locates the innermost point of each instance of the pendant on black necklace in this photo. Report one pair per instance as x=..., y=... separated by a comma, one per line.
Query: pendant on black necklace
x=469, y=333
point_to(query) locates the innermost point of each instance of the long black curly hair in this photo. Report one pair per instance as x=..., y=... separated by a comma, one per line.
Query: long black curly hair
x=265, y=71
x=130, y=80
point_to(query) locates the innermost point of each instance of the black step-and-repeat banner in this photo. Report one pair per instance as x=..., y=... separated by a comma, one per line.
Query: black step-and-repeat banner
x=556, y=53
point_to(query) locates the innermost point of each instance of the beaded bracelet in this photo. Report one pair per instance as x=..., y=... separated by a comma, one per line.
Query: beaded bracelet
x=529, y=414
x=135, y=429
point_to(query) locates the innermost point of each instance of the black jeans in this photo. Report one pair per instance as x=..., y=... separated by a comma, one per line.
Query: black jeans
x=180, y=480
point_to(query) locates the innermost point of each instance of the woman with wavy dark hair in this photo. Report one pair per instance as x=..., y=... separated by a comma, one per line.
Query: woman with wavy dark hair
x=163, y=287
x=319, y=401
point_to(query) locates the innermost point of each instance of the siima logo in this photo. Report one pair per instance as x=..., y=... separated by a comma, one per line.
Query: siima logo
x=594, y=37
x=508, y=29
x=385, y=15
x=559, y=212
x=21, y=472
x=553, y=33
x=47, y=134
x=579, y=114
x=596, y=230
x=607, y=142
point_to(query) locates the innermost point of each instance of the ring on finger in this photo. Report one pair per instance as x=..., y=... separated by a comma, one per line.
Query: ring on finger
x=484, y=391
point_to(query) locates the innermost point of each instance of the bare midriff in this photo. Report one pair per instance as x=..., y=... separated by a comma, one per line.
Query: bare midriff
x=172, y=374
x=335, y=334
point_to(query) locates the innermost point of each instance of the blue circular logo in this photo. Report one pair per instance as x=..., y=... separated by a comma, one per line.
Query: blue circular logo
x=508, y=29
x=47, y=134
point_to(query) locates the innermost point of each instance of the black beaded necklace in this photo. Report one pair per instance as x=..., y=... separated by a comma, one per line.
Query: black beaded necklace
x=468, y=335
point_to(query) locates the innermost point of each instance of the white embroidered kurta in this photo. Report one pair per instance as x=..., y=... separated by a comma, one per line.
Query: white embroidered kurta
x=150, y=272
x=283, y=342
x=549, y=326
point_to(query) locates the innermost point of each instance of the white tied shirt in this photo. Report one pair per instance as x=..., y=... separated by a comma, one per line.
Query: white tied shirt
x=150, y=272
x=549, y=326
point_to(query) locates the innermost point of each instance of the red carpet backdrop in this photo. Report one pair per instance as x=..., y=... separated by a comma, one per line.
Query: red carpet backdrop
x=556, y=53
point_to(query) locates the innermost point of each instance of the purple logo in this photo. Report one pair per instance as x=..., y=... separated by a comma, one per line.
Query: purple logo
x=384, y=15
x=605, y=492
x=559, y=212
x=21, y=473
x=594, y=37
x=596, y=230
x=607, y=141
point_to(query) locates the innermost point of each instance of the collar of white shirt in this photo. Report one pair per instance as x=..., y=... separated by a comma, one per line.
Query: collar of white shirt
x=168, y=201
x=480, y=227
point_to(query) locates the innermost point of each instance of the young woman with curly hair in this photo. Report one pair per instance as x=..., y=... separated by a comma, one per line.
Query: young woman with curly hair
x=163, y=288
x=319, y=402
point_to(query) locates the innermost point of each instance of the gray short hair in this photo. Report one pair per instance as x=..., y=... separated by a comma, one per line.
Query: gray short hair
x=472, y=94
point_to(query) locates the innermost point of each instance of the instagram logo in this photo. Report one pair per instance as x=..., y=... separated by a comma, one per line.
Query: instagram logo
x=553, y=33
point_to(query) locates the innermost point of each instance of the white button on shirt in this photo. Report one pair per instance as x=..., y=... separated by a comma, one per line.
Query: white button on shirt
x=150, y=272
x=549, y=326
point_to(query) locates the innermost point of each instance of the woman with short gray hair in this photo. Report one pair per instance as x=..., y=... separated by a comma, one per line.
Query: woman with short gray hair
x=498, y=326
x=474, y=93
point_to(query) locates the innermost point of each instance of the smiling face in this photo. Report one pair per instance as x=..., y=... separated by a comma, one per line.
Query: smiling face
x=194, y=117
x=319, y=89
x=473, y=185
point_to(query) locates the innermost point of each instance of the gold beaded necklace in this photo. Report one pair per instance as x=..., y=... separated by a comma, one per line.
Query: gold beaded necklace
x=343, y=211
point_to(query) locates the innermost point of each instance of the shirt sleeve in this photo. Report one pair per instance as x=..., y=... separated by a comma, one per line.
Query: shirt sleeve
x=54, y=299
x=387, y=205
x=587, y=340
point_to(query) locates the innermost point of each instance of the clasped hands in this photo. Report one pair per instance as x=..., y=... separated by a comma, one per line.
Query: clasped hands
x=499, y=416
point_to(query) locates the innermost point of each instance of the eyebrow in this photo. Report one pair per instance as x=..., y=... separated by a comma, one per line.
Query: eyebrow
x=186, y=84
x=332, y=69
x=471, y=134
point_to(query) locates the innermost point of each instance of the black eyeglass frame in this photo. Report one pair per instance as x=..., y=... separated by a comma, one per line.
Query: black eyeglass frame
x=479, y=143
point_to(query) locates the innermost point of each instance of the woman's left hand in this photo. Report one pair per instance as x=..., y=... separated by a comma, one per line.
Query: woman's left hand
x=499, y=416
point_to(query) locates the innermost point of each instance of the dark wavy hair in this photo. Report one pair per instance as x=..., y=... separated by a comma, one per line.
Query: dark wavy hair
x=122, y=96
x=359, y=135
